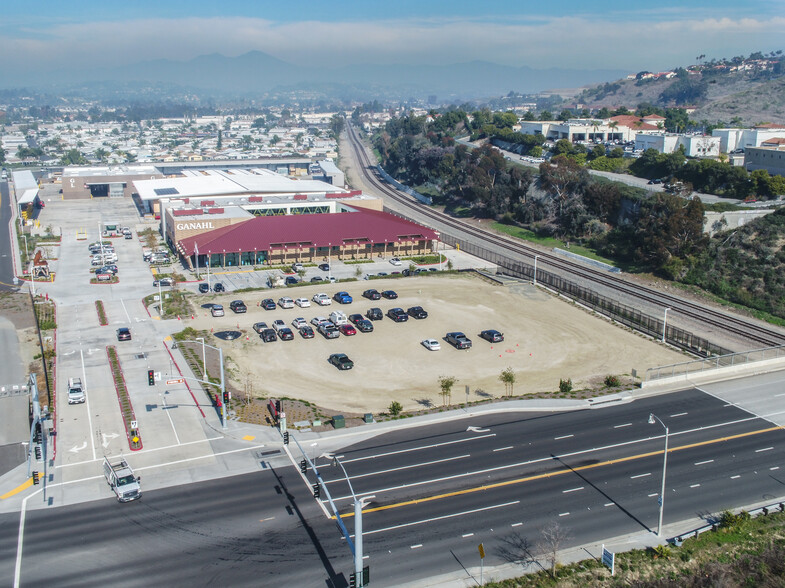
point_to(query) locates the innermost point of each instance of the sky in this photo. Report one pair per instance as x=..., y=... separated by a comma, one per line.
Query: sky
x=48, y=35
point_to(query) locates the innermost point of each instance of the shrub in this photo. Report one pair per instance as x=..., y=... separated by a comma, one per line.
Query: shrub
x=612, y=381
x=395, y=408
x=565, y=386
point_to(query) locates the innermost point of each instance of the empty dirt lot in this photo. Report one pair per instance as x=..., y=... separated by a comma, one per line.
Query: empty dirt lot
x=545, y=339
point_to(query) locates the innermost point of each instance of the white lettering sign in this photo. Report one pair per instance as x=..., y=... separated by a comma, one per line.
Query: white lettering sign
x=192, y=226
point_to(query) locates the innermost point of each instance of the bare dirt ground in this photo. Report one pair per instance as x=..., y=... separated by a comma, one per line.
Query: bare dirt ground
x=546, y=339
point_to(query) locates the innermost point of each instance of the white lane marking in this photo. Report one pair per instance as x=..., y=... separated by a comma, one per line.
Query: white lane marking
x=477, y=437
x=624, y=425
x=449, y=516
x=778, y=395
x=704, y=462
x=640, y=476
x=550, y=458
x=125, y=310
x=563, y=514
x=516, y=524
x=415, y=546
x=563, y=437
x=572, y=490
x=503, y=448
x=610, y=504
x=304, y=478
x=67, y=465
x=171, y=422
x=655, y=494
x=673, y=416
x=775, y=468
x=734, y=477
x=406, y=467
x=467, y=535
x=87, y=401
x=694, y=485
x=764, y=449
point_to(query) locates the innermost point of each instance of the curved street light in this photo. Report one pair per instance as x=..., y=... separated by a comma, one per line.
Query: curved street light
x=652, y=419
x=222, y=385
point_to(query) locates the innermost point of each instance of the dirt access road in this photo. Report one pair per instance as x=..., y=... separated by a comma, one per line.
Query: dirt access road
x=545, y=339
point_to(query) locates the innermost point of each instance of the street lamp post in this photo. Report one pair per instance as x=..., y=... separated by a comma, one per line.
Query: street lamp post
x=222, y=385
x=664, y=323
x=652, y=419
x=204, y=359
x=535, y=269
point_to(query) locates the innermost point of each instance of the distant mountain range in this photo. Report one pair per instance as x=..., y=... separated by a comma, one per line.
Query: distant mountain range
x=257, y=72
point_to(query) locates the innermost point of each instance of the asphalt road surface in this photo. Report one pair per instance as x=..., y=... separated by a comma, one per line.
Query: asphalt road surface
x=439, y=491
x=6, y=253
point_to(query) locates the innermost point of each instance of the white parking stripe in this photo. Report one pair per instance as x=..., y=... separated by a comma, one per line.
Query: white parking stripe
x=563, y=514
x=572, y=490
x=704, y=462
x=563, y=437
x=694, y=485
x=673, y=416
x=764, y=449
x=734, y=477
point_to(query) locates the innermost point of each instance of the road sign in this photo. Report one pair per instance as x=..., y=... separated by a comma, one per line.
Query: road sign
x=175, y=381
x=609, y=559
x=481, y=549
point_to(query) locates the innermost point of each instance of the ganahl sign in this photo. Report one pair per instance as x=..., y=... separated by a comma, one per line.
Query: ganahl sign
x=195, y=226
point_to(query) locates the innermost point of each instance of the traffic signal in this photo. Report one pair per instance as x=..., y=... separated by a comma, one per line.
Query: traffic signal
x=226, y=397
x=35, y=477
x=317, y=491
x=278, y=406
x=366, y=575
x=353, y=580
x=286, y=438
x=38, y=452
x=151, y=377
x=303, y=466
x=37, y=433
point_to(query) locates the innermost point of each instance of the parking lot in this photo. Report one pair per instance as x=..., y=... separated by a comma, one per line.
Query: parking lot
x=545, y=339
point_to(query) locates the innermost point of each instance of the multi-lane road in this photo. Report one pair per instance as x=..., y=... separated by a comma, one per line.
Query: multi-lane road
x=439, y=490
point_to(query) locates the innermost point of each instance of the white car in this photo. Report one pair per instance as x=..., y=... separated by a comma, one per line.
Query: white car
x=318, y=320
x=338, y=318
x=217, y=310
x=286, y=302
x=431, y=344
x=322, y=299
x=299, y=322
x=302, y=302
x=278, y=324
x=396, y=261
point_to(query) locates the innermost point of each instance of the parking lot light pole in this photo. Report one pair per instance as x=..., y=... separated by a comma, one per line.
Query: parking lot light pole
x=535, y=269
x=664, y=323
x=652, y=419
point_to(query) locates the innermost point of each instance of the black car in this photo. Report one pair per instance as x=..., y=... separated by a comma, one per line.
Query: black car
x=492, y=336
x=204, y=288
x=163, y=282
x=398, y=315
x=285, y=334
x=218, y=287
x=364, y=326
x=317, y=279
x=417, y=312
x=306, y=332
x=290, y=280
x=268, y=304
x=390, y=294
x=341, y=361
x=266, y=334
x=353, y=318
x=325, y=267
x=372, y=294
x=123, y=334
x=374, y=314
x=238, y=306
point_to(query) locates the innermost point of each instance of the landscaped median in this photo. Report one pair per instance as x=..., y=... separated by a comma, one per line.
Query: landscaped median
x=126, y=408
x=99, y=308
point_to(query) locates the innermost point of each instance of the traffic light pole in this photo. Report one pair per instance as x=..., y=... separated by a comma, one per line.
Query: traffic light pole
x=221, y=386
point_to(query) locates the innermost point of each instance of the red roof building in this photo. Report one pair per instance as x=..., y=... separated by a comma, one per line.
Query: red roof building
x=361, y=234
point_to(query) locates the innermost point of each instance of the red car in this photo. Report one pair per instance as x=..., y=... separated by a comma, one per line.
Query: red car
x=348, y=330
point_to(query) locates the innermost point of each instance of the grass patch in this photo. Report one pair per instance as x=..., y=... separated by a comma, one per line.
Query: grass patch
x=531, y=236
x=99, y=308
x=356, y=261
x=758, y=314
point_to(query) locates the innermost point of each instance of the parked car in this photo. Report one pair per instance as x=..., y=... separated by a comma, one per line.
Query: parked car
x=372, y=294
x=297, y=267
x=364, y=326
x=290, y=280
x=306, y=332
x=347, y=329
x=458, y=340
x=396, y=261
x=342, y=297
x=238, y=306
x=374, y=314
x=285, y=302
x=109, y=269
x=285, y=334
x=341, y=361
x=259, y=327
x=492, y=336
x=318, y=320
x=267, y=304
x=390, y=294
x=325, y=267
x=431, y=344
x=266, y=334
x=278, y=324
x=299, y=322
x=204, y=288
x=217, y=310
x=317, y=279
x=329, y=330
x=338, y=318
x=353, y=318
x=398, y=315
x=218, y=287
x=322, y=299
x=302, y=302
x=417, y=312
x=123, y=334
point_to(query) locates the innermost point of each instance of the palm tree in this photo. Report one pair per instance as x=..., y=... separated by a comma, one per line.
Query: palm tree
x=613, y=125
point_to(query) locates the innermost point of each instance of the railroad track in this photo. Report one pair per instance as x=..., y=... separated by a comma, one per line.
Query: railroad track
x=756, y=334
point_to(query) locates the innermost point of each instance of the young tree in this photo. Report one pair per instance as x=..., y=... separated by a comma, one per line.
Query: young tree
x=553, y=537
x=446, y=383
x=395, y=408
x=508, y=378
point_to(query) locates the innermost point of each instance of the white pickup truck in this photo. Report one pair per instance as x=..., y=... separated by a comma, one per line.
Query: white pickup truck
x=122, y=481
x=75, y=391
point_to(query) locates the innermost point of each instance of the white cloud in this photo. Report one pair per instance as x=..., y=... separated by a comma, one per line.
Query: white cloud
x=583, y=42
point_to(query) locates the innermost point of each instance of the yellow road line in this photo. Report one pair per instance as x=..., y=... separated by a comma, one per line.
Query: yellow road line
x=566, y=470
x=18, y=489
